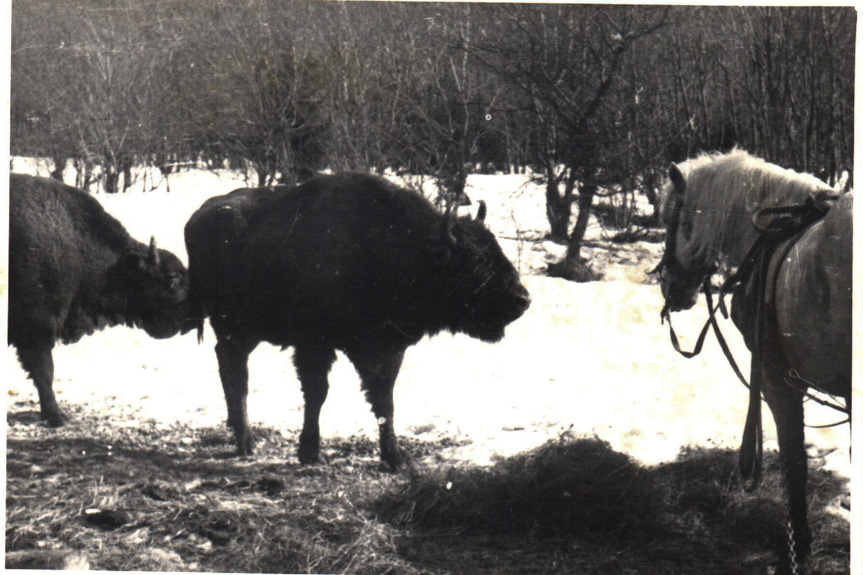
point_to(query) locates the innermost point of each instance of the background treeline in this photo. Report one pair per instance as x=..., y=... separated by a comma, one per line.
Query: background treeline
x=593, y=99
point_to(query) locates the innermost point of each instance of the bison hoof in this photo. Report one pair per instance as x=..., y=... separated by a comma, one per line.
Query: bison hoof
x=245, y=447
x=245, y=450
x=392, y=462
x=311, y=457
x=55, y=419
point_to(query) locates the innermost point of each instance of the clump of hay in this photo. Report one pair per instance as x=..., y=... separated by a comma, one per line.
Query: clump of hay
x=573, y=504
x=633, y=235
x=573, y=269
x=563, y=487
x=577, y=500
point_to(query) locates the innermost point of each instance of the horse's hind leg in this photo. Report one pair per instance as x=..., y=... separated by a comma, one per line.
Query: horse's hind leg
x=786, y=404
x=37, y=360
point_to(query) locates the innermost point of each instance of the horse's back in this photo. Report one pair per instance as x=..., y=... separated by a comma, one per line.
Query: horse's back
x=813, y=301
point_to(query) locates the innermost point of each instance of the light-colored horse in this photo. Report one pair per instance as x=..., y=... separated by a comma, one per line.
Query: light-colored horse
x=805, y=335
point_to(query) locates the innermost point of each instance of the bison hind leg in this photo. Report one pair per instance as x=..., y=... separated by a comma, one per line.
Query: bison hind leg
x=313, y=361
x=233, y=357
x=38, y=362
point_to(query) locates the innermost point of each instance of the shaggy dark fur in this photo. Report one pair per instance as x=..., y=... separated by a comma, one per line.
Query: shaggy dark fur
x=348, y=262
x=74, y=269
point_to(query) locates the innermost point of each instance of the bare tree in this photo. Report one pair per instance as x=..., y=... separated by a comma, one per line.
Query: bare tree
x=591, y=97
x=566, y=60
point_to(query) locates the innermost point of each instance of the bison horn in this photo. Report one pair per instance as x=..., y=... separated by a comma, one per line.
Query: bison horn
x=153, y=254
x=480, y=214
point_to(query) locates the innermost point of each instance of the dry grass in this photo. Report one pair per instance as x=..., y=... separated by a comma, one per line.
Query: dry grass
x=173, y=499
x=561, y=488
x=576, y=506
x=190, y=506
x=572, y=269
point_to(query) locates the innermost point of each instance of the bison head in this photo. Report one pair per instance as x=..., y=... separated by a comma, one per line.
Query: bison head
x=483, y=291
x=157, y=287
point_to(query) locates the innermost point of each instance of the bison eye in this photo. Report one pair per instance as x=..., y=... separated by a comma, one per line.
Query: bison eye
x=173, y=282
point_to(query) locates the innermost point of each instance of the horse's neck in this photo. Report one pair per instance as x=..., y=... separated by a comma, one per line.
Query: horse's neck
x=740, y=235
x=735, y=247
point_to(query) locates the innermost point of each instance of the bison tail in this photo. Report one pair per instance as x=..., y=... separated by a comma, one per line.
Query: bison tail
x=200, y=315
x=197, y=312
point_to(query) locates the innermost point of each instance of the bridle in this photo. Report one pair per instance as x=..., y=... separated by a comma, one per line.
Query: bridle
x=792, y=220
x=751, y=452
x=670, y=263
x=707, y=289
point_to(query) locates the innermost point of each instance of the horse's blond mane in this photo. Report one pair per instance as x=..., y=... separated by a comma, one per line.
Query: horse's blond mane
x=723, y=190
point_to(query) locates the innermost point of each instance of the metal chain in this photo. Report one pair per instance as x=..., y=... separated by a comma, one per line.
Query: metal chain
x=792, y=552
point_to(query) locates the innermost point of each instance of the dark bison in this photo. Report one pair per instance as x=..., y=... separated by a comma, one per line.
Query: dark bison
x=348, y=262
x=74, y=269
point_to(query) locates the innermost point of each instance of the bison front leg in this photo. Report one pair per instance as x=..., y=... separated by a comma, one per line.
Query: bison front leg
x=313, y=363
x=39, y=363
x=233, y=359
x=378, y=379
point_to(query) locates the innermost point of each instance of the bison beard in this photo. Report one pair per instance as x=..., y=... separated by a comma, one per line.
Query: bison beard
x=74, y=269
x=344, y=262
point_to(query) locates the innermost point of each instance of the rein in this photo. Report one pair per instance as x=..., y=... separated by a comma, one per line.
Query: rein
x=759, y=254
x=711, y=321
x=792, y=220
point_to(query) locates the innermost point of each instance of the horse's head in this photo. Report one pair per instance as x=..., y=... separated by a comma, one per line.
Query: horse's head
x=686, y=261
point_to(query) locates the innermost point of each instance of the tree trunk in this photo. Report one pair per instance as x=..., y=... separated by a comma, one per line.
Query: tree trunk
x=573, y=267
x=126, y=167
x=585, y=201
x=650, y=191
x=59, y=167
x=112, y=177
x=557, y=207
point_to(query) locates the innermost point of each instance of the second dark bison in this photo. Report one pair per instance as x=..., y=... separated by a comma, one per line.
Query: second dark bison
x=74, y=269
x=344, y=262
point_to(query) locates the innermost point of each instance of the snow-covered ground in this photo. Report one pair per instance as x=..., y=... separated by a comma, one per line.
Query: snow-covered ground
x=592, y=358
